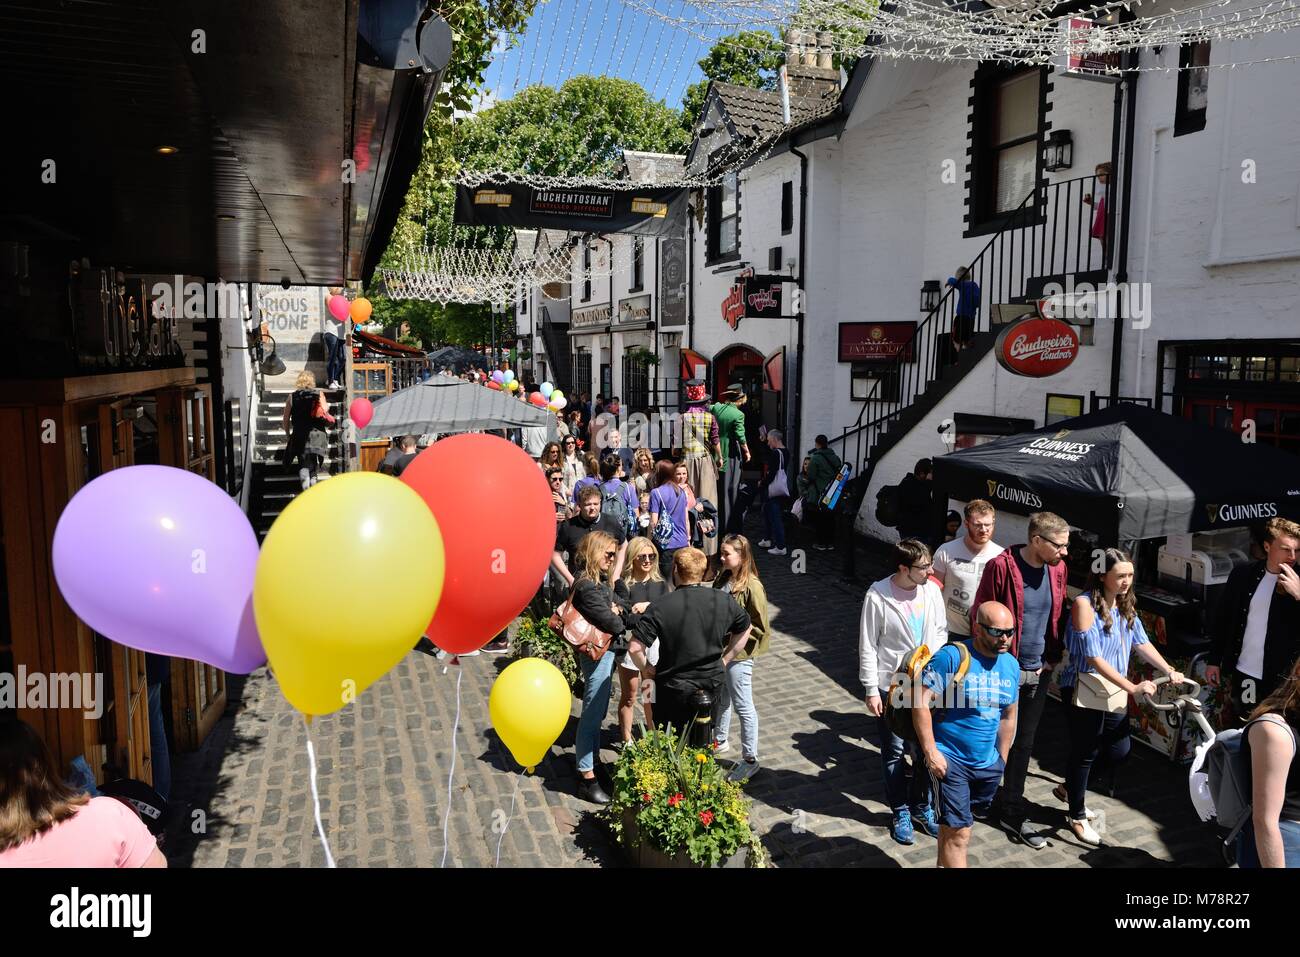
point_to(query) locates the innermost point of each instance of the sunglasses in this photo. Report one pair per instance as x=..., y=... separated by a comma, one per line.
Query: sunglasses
x=610, y=554
x=998, y=632
x=647, y=557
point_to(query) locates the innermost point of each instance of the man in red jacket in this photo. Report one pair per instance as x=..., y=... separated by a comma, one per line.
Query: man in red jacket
x=1030, y=580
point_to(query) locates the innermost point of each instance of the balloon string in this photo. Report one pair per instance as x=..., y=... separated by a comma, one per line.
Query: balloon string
x=505, y=827
x=315, y=797
x=446, y=818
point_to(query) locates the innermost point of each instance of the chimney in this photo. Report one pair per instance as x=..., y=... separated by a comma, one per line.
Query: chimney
x=825, y=50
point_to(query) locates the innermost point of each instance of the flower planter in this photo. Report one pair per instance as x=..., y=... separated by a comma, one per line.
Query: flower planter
x=641, y=853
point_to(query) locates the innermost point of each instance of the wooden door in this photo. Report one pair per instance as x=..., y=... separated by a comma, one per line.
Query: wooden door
x=124, y=729
x=186, y=441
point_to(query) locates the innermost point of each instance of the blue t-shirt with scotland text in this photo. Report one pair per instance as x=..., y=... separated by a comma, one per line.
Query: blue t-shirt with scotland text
x=966, y=727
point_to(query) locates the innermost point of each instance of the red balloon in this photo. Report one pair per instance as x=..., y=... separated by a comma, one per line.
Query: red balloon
x=361, y=411
x=494, y=509
x=494, y=385
x=537, y=399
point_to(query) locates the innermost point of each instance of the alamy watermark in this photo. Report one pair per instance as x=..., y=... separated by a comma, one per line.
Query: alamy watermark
x=78, y=691
x=1088, y=301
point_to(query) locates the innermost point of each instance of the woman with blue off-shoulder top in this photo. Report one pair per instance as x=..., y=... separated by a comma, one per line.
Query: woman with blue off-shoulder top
x=1104, y=632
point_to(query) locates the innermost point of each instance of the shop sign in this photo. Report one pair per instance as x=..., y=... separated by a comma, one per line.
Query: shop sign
x=752, y=297
x=1083, y=56
x=1036, y=347
x=672, y=283
x=1238, y=514
x=733, y=307
x=1008, y=493
x=634, y=310
x=876, y=341
x=590, y=318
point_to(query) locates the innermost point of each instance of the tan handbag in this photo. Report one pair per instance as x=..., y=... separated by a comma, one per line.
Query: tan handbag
x=586, y=638
x=1096, y=693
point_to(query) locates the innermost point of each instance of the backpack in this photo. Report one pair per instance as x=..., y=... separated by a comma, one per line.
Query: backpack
x=664, y=529
x=613, y=505
x=898, y=707
x=1228, y=776
x=887, y=506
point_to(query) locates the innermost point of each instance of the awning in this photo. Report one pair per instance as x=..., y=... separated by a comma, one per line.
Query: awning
x=386, y=347
x=1128, y=472
x=447, y=404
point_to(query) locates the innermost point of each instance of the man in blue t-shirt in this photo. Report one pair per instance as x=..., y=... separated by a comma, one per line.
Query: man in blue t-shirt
x=965, y=741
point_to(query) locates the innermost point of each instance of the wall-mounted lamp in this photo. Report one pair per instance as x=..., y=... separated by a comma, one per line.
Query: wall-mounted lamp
x=930, y=293
x=1060, y=151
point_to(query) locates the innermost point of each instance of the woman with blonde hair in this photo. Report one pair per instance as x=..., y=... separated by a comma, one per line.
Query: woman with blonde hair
x=640, y=585
x=45, y=823
x=306, y=413
x=593, y=598
x=643, y=470
x=739, y=577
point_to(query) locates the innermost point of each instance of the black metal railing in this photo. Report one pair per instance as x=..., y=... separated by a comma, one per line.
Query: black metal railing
x=1047, y=238
x=556, y=341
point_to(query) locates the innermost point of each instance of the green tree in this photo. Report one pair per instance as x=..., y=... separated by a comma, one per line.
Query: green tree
x=477, y=26
x=748, y=58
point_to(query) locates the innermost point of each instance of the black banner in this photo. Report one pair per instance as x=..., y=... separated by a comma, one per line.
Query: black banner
x=647, y=211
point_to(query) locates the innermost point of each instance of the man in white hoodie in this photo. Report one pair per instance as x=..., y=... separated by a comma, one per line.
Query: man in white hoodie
x=900, y=613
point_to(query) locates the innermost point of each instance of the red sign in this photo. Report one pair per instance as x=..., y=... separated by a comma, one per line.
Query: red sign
x=733, y=307
x=876, y=341
x=1036, y=347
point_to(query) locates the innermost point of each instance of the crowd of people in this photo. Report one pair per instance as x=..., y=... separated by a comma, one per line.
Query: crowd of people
x=996, y=622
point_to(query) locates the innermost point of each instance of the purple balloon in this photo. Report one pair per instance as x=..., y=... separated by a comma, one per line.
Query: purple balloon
x=160, y=559
x=499, y=377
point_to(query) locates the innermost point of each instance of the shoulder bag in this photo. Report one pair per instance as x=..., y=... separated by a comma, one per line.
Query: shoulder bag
x=586, y=638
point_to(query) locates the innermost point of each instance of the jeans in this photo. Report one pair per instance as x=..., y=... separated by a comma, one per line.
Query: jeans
x=738, y=692
x=1248, y=853
x=159, y=757
x=1094, y=735
x=333, y=358
x=1033, y=698
x=824, y=522
x=595, y=702
x=772, y=520
x=666, y=564
x=898, y=793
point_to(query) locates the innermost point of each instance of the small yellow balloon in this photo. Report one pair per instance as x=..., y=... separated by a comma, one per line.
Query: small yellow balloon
x=325, y=651
x=513, y=385
x=529, y=705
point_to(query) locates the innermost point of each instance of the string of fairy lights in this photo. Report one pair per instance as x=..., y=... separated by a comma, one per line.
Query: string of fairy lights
x=1114, y=36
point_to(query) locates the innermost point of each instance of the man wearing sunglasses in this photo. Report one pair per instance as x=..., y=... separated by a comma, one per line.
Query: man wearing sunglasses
x=1029, y=579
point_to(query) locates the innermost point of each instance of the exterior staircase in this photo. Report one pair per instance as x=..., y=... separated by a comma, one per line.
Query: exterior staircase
x=1046, y=239
x=275, y=485
x=555, y=336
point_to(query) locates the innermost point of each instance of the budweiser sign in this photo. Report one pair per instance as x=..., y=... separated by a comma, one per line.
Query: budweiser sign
x=1037, y=347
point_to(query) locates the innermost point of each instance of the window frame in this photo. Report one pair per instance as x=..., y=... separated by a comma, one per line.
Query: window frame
x=1186, y=120
x=787, y=207
x=586, y=271
x=714, y=253
x=982, y=218
x=638, y=265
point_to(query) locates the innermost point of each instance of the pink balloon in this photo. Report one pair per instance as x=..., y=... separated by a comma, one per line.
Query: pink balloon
x=339, y=307
x=537, y=399
x=162, y=560
x=361, y=411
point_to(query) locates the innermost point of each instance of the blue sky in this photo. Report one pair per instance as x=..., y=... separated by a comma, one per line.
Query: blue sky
x=608, y=38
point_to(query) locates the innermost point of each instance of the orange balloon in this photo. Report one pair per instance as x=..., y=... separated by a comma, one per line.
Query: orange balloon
x=360, y=310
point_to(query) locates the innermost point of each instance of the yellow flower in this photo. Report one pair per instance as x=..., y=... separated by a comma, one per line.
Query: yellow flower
x=701, y=757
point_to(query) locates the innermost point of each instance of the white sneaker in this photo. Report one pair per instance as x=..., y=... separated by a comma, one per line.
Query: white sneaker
x=765, y=543
x=1086, y=833
x=777, y=551
x=334, y=385
x=722, y=749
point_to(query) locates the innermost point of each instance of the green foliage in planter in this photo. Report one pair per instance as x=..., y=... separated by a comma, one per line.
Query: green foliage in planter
x=681, y=800
x=535, y=639
x=643, y=355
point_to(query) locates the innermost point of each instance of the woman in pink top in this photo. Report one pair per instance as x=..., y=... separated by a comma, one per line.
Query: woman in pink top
x=45, y=823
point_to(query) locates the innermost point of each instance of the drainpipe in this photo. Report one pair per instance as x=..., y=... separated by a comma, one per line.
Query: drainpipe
x=797, y=444
x=1129, y=84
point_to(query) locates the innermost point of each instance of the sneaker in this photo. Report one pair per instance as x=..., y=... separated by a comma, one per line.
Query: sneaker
x=901, y=830
x=765, y=543
x=721, y=748
x=824, y=548
x=743, y=770
x=1058, y=792
x=777, y=551
x=499, y=646
x=467, y=654
x=1086, y=833
x=1026, y=834
x=928, y=822
x=982, y=814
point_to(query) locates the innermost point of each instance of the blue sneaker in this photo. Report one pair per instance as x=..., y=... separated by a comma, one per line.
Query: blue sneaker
x=928, y=822
x=900, y=829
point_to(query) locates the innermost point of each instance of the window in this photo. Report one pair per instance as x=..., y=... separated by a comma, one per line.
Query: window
x=636, y=384
x=586, y=272
x=874, y=381
x=523, y=303
x=581, y=373
x=724, y=221
x=1193, y=87
x=1008, y=127
x=638, y=264
x=787, y=208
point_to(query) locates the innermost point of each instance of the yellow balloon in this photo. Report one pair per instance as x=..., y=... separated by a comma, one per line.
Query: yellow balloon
x=513, y=385
x=325, y=646
x=529, y=705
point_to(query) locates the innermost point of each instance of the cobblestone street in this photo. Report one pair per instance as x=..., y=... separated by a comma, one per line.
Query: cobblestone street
x=384, y=765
